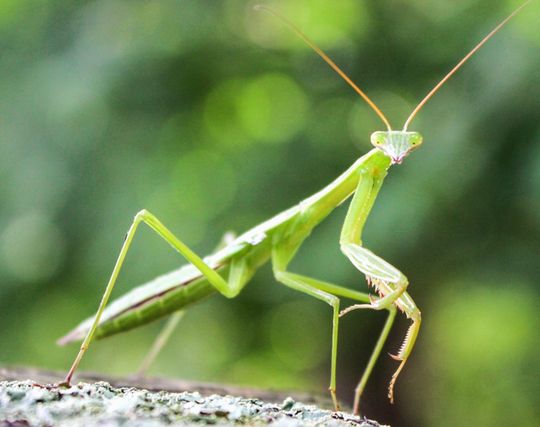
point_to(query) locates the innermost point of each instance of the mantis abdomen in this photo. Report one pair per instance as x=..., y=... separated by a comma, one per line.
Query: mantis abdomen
x=159, y=306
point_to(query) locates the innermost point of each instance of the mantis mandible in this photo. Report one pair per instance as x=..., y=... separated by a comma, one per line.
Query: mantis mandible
x=278, y=239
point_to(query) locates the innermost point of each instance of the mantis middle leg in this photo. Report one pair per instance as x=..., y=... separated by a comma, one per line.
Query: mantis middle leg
x=330, y=294
x=238, y=276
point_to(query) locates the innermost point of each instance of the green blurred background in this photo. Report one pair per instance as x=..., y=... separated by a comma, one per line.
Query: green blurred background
x=215, y=117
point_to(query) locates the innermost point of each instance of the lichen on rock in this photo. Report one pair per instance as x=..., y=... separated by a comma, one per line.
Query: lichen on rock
x=24, y=403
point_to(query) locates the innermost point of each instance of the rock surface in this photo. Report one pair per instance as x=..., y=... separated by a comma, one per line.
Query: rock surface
x=24, y=403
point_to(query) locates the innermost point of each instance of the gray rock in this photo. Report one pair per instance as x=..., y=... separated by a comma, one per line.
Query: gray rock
x=24, y=403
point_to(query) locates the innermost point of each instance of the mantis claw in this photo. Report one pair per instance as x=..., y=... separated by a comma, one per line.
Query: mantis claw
x=62, y=384
x=332, y=390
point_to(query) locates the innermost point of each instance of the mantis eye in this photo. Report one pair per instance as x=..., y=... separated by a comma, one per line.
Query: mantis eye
x=415, y=140
x=378, y=138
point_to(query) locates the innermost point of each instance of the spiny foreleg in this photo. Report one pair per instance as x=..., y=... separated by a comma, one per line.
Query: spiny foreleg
x=393, y=294
x=390, y=283
x=405, y=349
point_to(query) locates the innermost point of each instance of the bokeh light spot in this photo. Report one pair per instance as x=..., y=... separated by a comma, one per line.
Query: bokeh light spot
x=221, y=114
x=31, y=247
x=272, y=108
x=327, y=26
x=203, y=183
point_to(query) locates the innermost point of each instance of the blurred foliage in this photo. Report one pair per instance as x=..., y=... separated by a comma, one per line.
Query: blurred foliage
x=215, y=117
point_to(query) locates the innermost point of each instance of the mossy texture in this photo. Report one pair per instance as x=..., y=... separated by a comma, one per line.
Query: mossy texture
x=24, y=403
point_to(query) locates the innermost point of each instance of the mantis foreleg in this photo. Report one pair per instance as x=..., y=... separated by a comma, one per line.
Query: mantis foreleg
x=390, y=283
x=380, y=275
x=238, y=276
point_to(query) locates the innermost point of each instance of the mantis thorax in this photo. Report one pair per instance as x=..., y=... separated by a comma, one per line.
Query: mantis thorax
x=396, y=144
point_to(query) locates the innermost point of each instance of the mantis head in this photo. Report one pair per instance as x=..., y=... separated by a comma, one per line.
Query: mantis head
x=396, y=144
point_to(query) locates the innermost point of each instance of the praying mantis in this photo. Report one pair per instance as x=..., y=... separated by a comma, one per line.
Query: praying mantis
x=231, y=266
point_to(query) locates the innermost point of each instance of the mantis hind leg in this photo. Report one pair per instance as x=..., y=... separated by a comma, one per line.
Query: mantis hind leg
x=160, y=342
x=172, y=322
x=239, y=274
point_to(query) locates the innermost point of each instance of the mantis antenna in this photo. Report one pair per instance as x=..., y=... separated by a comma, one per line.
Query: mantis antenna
x=460, y=63
x=328, y=61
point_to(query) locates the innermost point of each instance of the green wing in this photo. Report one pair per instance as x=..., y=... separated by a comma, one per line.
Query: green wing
x=156, y=288
x=153, y=295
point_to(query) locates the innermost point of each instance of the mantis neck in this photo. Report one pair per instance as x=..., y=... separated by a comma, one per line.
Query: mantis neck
x=374, y=163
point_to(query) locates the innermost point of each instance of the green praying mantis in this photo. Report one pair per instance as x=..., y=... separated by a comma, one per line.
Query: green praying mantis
x=278, y=239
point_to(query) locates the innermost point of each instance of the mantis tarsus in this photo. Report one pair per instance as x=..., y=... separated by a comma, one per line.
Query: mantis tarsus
x=230, y=267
